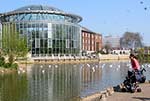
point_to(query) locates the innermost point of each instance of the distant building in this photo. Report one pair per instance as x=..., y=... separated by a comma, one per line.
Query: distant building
x=114, y=42
x=91, y=41
x=146, y=50
x=120, y=51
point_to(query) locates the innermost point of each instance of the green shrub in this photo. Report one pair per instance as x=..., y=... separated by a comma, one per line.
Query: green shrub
x=7, y=65
x=11, y=58
x=2, y=63
x=14, y=66
x=10, y=64
x=2, y=58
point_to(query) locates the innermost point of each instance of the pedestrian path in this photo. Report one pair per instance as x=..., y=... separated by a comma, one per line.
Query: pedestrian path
x=126, y=96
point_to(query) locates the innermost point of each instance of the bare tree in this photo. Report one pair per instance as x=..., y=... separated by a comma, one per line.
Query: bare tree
x=107, y=46
x=131, y=40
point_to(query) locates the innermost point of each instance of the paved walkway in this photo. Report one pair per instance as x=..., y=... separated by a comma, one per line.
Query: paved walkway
x=142, y=96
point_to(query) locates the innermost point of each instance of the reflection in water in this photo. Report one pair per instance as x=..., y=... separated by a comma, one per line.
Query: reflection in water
x=105, y=75
x=63, y=82
x=147, y=73
x=91, y=77
x=57, y=83
x=13, y=87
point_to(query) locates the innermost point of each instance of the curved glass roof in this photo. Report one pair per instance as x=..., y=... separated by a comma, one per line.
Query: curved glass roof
x=39, y=10
x=38, y=7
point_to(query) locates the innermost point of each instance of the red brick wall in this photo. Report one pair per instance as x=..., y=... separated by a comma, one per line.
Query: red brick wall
x=91, y=41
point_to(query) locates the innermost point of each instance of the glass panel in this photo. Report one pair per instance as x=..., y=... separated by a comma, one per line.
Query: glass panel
x=37, y=43
x=51, y=38
x=67, y=43
x=49, y=43
x=41, y=43
x=49, y=30
x=40, y=16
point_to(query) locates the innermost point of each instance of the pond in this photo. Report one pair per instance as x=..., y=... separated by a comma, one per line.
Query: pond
x=63, y=82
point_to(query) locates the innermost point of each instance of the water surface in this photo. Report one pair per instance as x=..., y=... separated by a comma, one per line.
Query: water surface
x=63, y=82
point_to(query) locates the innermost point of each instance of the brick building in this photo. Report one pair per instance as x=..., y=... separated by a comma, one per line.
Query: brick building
x=91, y=41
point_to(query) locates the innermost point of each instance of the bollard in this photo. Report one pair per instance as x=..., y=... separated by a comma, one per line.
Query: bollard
x=110, y=91
x=103, y=97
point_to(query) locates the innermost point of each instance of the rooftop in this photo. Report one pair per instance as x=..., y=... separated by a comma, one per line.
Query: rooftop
x=37, y=7
x=42, y=9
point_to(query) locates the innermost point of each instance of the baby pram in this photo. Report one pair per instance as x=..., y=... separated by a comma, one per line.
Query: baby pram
x=132, y=80
x=140, y=76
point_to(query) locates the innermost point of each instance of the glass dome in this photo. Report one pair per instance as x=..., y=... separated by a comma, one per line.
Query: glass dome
x=39, y=12
x=38, y=7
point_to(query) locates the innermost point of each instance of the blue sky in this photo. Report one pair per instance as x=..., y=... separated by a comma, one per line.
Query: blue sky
x=108, y=17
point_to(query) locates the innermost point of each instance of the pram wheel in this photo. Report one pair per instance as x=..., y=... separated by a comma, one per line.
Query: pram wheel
x=124, y=90
x=132, y=90
x=139, y=90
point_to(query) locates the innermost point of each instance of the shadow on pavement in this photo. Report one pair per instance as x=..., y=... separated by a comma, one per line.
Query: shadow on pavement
x=142, y=98
x=120, y=89
x=117, y=88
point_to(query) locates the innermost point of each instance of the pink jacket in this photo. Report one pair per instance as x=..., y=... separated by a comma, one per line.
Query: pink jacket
x=135, y=64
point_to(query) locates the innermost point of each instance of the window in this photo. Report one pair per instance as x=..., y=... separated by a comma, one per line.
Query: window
x=67, y=43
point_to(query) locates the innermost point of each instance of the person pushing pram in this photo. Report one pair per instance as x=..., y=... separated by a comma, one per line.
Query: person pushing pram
x=135, y=76
x=138, y=72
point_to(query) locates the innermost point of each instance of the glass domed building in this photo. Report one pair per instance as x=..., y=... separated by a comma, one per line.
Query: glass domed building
x=48, y=29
